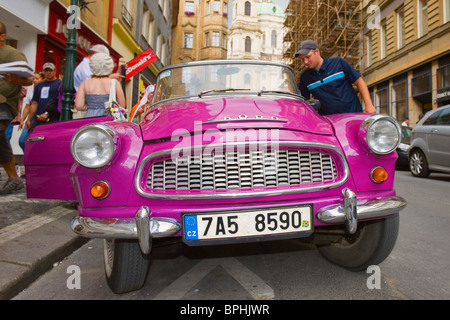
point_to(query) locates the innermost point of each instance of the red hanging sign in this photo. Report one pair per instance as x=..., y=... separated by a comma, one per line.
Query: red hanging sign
x=139, y=63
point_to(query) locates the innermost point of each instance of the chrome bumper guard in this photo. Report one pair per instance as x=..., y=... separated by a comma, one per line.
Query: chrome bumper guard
x=143, y=227
x=349, y=212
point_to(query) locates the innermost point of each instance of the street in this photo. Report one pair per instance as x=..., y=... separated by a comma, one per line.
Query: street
x=280, y=270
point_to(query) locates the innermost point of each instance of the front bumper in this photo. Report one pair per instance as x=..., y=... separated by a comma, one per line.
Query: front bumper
x=144, y=227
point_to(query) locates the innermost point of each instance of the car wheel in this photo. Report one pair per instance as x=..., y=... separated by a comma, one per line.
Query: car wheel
x=418, y=164
x=126, y=267
x=370, y=245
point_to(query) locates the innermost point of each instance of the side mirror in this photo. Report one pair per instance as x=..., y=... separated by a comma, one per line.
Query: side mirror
x=315, y=104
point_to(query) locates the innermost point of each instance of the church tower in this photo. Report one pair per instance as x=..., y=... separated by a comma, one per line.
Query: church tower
x=257, y=30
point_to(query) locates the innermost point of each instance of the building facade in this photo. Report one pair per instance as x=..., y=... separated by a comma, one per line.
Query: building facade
x=200, y=30
x=257, y=30
x=39, y=28
x=407, y=56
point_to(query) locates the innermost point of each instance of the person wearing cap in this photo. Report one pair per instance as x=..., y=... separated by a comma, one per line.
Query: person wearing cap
x=43, y=94
x=10, y=90
x=330, y=81
x=94, y=92
x=405, y=122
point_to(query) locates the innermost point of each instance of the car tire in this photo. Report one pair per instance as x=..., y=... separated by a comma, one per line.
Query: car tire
x=418, y=164
x=370, y=245
x=126, y=267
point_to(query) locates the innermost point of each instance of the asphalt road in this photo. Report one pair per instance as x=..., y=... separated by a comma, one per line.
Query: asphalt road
x=281, y=270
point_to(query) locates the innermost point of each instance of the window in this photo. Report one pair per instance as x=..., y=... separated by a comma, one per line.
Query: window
x=443, y=77
x=273, y=39
x=383, y=40
x=148, y=26
x=188, y=40
x=247, y=10
x=248, y=44
x=368, y=49
x=444, y=118
x=422, y=17
x=206, y=39
x=224, y=40
x=216, y=6
x=247, y=78
x=225, y=9
x=399, y=99
x=400, y=28
x=208, y=7
x=381, y=100
x=446, y=11
x=432, y=119
x=216, y=39
x=189, y=8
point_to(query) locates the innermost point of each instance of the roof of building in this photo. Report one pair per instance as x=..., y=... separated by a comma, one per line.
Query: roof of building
x=270, y=8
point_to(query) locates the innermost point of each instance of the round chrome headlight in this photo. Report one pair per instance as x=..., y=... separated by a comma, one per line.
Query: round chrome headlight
x=381, y=133
x=93, y=146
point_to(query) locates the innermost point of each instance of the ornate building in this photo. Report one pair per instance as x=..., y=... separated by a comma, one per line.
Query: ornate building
x=200, y=30
x=257, y=30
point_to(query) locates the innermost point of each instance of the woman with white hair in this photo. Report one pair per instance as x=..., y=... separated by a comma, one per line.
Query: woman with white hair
x=93, y=93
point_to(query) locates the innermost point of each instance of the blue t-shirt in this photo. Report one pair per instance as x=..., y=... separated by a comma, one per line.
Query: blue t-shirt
x=43, y=92
x=332, y=85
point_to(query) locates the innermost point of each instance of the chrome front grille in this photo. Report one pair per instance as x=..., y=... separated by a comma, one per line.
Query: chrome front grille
x=242, y=169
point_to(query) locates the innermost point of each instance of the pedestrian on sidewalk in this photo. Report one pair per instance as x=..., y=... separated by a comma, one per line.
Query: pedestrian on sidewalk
x=94, y=92
x=10, y=89
x=38, y=78
x=44, y=95
x=83, y=72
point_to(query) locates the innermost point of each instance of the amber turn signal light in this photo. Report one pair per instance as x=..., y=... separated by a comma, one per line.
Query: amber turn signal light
x=100, y=190
x=379, y=175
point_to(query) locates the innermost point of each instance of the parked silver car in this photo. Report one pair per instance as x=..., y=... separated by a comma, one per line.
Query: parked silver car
x=430, y=143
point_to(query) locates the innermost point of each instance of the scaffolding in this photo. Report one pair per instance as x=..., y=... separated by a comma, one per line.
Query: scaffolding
x=335, y=25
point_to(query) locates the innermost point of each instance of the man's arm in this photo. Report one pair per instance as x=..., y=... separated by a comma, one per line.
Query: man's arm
x=33, y=108
x=13, y=79
x=362, y=87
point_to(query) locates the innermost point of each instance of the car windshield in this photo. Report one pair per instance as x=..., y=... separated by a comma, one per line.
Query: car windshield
x=204, y=79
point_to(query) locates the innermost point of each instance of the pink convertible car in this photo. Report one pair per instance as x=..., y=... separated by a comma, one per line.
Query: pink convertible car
x=228, y=153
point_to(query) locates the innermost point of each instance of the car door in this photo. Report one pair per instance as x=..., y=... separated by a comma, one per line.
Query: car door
x=48, y=160
x=439, y=140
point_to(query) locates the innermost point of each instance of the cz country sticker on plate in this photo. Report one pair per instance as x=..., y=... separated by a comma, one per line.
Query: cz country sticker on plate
x=252, y=223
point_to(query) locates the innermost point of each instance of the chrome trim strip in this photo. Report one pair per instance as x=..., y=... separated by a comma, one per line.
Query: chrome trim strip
x=242, y=120
x=122, y=228
x=36, y=139
x=374, y=208
x=240, y=194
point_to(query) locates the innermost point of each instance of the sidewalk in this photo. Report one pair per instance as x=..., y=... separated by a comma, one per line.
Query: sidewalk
x=34, y=234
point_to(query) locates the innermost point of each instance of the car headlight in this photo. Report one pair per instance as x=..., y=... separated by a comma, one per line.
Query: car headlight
x=381, y=133
x=93, y=146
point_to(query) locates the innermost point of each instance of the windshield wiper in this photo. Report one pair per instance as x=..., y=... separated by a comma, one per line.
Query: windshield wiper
x=280, y=92
x=219, y=90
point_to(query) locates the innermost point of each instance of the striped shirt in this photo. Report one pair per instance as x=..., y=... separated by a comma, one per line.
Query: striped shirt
x=332, y=85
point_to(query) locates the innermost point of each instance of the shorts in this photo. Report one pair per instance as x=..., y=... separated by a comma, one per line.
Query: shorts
x=6, y=154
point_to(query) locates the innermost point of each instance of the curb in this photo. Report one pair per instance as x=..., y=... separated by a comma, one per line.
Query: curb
x=30, y=254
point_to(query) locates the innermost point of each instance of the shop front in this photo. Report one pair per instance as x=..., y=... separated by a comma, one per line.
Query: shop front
x=51, y=47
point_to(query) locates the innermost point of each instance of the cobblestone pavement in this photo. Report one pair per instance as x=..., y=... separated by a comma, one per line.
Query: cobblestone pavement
x=16, y=207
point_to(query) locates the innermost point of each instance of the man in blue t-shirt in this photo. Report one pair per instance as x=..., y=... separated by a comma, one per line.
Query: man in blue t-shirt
x=330, y=81
x=43, y=94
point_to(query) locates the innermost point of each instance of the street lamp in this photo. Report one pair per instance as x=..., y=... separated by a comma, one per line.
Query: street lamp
x=68, y=89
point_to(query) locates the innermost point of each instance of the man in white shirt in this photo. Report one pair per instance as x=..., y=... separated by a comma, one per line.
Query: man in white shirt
x=83, y=71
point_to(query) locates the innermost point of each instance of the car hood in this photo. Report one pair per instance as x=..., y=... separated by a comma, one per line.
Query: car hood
x=222, y=113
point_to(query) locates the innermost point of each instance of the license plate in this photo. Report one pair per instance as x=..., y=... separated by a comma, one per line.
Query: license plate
x=236, y=224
